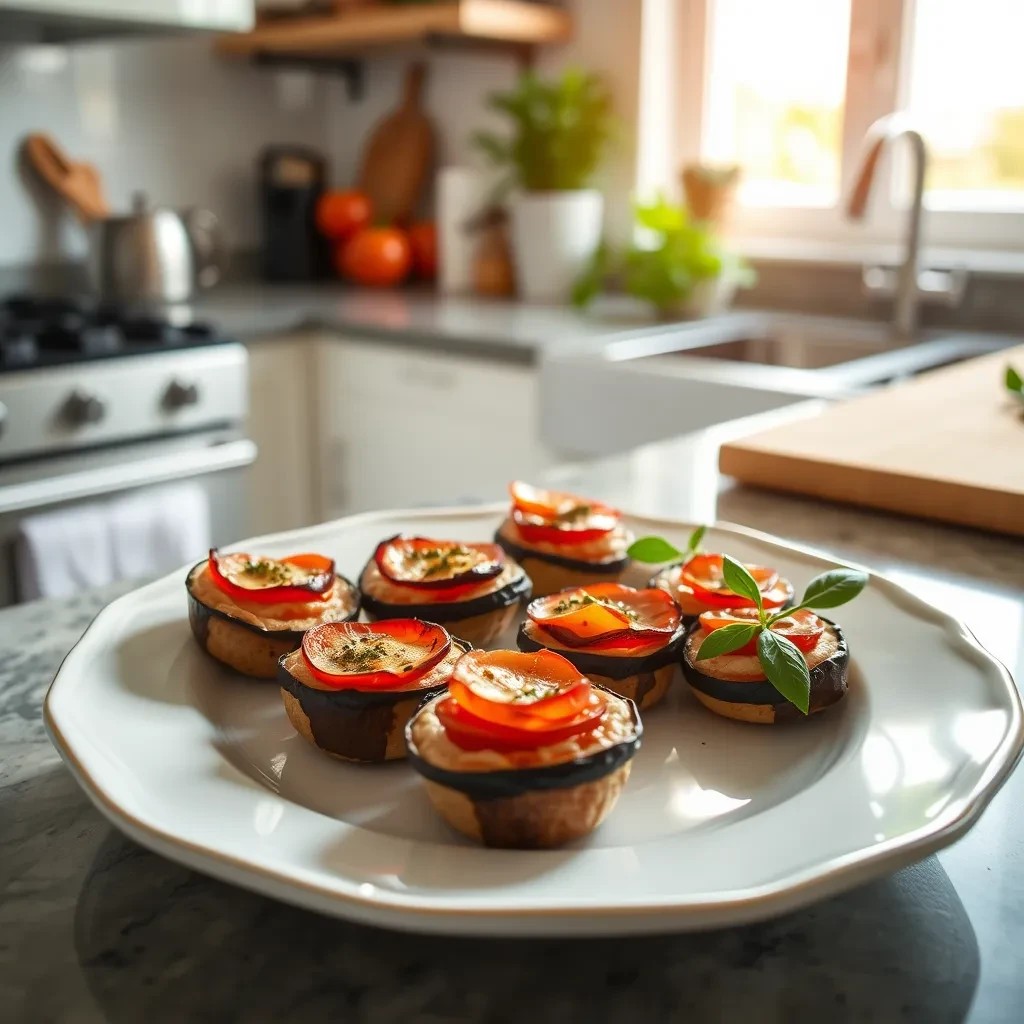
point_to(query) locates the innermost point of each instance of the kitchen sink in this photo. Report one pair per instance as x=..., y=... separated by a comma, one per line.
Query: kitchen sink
x=658, y=383
x=829, y=354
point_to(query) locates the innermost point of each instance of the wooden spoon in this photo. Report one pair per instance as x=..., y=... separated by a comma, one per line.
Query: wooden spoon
x=398, y=155
x=77, y=182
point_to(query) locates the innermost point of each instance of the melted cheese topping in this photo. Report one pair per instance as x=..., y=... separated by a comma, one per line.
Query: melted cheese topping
x=287, y=615
x=295, y=665
x=433, y=744
x=746, y=668
x=380, y=588
x=609, y=548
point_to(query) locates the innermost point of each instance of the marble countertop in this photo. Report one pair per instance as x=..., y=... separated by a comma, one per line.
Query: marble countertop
x=93, y=928
x=501, y=329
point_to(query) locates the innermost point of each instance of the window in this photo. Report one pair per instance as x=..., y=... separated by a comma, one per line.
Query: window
x=972, y=114
x=774, y=101
x=788, y=88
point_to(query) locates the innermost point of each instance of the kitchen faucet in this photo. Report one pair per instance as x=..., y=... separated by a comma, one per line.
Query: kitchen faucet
x=907, y=285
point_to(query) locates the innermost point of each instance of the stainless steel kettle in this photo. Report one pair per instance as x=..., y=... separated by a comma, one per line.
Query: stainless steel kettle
x=154, y=256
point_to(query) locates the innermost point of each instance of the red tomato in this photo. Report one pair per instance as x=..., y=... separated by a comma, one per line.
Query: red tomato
x=703, y=575
x=553, y=517
x=340, y=214
x=374, y=655
x=423, y=239
x=803, y=627
x=525, y=690
x=470, y=732
x=376, y=257
x=304, y=578
x=606, y=615
x=422, y=562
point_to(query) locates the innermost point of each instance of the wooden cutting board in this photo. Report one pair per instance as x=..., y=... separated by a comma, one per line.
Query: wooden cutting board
x=399, y=154
x=948, y=446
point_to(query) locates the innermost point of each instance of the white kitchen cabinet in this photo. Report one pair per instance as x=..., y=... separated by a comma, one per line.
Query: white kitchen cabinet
x=281, y=422
x=400, y=427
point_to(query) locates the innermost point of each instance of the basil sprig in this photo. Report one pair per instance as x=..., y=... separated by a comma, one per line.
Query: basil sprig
x=782, y=661
x=1014, y=382
x=655, y=550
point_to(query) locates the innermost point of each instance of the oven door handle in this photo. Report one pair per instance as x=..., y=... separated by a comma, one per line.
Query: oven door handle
x=156, y=469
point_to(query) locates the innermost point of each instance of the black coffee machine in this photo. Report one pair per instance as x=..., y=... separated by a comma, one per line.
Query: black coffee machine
x=292, y=179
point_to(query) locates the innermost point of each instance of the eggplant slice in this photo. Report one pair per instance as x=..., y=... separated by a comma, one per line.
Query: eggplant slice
x=552, y=573
x=760, y=702
x=644, y=679
x=365, y=726
x=617, y=566
x=479, y=621
x=530, y=808
x=250, y=649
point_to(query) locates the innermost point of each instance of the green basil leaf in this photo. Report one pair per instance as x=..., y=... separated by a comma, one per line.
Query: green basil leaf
x=1014, y=381
x=833, y=588
x=726, y=639
x=693, y=544
x=653, y=550
x=785, y=668
x=739, y=581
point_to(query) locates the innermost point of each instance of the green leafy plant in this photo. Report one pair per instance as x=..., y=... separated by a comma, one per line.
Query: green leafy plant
x=1014, y=382
x=781, y=660
x=674, y=254
x=655, y=550
x=559, y=131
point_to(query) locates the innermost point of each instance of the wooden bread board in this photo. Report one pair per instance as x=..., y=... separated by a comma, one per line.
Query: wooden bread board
x=947, y=446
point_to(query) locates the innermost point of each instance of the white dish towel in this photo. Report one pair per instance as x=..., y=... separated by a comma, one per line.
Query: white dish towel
x=145, y=533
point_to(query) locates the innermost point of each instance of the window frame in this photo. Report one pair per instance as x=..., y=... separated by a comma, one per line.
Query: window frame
x=877, y=82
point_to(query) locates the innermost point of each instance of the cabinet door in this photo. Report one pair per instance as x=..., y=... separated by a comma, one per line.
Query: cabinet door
x=280, y=422
x=406, y=428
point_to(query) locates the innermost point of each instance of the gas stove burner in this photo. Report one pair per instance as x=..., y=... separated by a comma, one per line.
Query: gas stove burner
x=155, y=331
x=43, y=308
x=43, y=331
x=17, y=347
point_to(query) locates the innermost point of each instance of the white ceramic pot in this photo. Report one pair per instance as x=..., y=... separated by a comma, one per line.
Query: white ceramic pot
x=554, y=235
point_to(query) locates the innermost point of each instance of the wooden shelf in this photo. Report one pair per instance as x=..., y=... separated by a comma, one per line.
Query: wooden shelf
x=511, y=23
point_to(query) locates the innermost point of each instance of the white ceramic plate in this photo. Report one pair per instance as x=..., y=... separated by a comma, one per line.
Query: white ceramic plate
x=721, y=822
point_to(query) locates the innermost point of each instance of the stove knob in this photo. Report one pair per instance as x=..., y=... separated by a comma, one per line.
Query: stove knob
x=179, y=395
x=82, y=408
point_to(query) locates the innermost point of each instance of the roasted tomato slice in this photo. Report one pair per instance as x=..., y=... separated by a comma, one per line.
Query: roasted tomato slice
x=803, y=627
x=471, y=732
x=554, y=517
x=374, y=655
x=297, y=578
x=606, y=615
x=703, y=575
x=528, y=691
x=438, y=565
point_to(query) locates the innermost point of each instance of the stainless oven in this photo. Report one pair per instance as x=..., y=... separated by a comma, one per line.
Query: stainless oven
x=78, y=425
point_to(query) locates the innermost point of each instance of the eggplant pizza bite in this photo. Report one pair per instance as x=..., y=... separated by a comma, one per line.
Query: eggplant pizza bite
x=351, y=687
x=736, y=685
x=629, y=641
x=246, y=612
x=474, y=590
x=562, y=540
x=698, y=585
x=523, y=751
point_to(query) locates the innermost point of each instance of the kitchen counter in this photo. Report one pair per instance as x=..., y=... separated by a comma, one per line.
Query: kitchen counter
x=502, y=329
x=95, y=928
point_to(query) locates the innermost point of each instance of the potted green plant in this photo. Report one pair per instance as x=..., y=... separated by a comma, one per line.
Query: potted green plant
x=676, y=263
x=559, y=132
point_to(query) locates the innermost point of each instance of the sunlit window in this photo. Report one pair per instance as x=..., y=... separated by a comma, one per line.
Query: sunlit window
x=776, y=78
x=966, y=92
